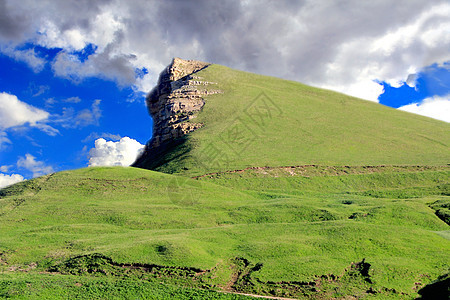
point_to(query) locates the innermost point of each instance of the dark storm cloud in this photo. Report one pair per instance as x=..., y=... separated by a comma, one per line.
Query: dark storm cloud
x=18, y=19
x=12, y=24
x=283, y=38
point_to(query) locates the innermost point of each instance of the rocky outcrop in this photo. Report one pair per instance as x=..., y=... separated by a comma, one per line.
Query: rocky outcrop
x=176, y=99
x=173, y=104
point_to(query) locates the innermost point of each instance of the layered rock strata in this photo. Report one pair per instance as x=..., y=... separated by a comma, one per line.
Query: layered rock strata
x=176, y=99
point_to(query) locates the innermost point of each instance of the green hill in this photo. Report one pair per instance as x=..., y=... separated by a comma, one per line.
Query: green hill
x=265, y=121
x=279, y=189
x=88, y=231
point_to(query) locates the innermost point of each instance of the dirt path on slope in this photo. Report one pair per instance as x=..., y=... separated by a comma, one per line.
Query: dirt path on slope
x=318, y=170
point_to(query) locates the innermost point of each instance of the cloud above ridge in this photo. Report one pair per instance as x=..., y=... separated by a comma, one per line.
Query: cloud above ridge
x=6, y=180
x=36, y=167
x=433, y=107
x=108, y=153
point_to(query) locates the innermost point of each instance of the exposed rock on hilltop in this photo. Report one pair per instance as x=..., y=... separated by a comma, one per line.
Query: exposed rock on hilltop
x=175, y=100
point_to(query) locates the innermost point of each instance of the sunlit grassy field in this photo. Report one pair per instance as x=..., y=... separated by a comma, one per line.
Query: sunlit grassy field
x=287, y=190
x=297, y=226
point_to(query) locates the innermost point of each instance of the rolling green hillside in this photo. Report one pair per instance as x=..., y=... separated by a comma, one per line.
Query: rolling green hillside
x=265, y=121
x=282, y=190
x=270, y=232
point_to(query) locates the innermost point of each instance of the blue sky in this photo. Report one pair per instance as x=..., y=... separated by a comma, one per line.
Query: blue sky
x=80, y=113
x=432, y=81
x=74, y=74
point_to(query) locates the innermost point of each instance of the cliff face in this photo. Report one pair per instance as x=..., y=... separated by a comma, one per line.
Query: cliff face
x=175, y=100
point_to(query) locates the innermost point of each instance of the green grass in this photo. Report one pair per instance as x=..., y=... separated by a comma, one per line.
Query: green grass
x=297, y=227
x=44, y=286
x=264, y=121
x=287, y=190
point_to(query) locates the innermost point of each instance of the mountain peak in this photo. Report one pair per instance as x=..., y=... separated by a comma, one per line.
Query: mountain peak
x=180, y=68
x=255, y=120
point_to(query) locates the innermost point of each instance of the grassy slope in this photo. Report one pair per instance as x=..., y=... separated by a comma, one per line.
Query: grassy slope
x=306, y=125
x=296, y=226
x=40, y=286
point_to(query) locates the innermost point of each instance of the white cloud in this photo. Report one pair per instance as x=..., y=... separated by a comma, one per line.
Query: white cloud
x=38, y=90
x=5, y=168
x=145, y=83
x=411, y=80
x=6, y=180
x=103, y=24
x=108, y=153
x=434, y=107
x=72, y=100
x=91, y=116
x=14, y=112
x=53, y=37
x=95, y=135
x=38, y=168
x=28, y=56
x=363, y=88
x=107, y=65
x=47, y=129
x=344, y=45
x=394, y=56
x=78, y=119
x=49, y=102
x=4, y=140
